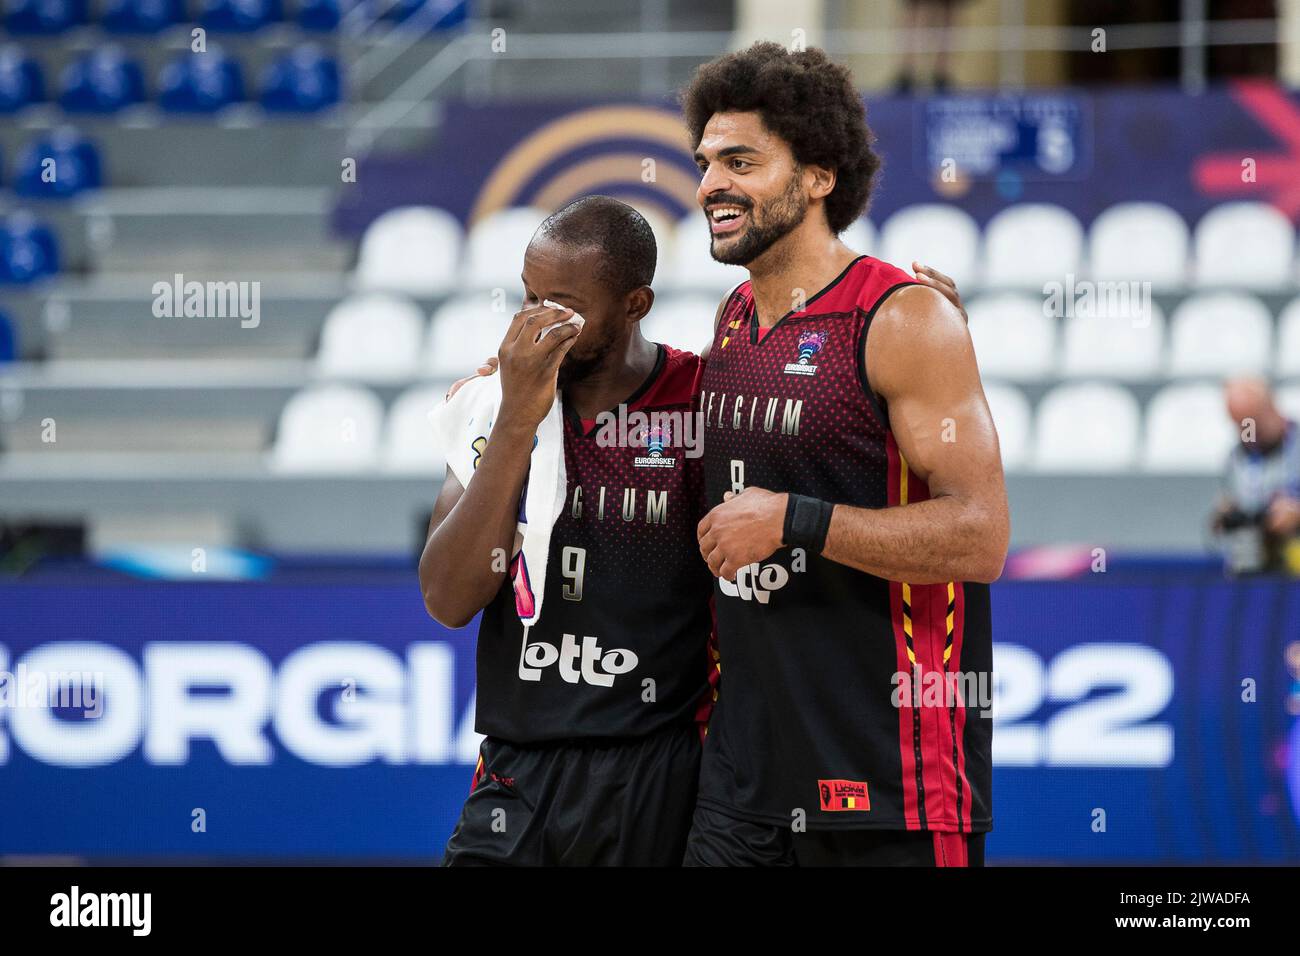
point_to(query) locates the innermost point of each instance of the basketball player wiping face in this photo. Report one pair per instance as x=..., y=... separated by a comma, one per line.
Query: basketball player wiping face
x=858, y=502
x=590, y=715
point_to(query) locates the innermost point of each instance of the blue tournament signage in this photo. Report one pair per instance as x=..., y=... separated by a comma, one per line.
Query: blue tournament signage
x=1140, y=718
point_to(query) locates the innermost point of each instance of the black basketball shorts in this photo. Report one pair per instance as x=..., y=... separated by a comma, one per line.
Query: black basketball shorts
x=580, y=803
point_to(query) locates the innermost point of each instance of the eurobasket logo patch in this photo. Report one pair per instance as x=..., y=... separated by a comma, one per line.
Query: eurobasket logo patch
x=843, y=795
x=657, y=438
x=810, y=343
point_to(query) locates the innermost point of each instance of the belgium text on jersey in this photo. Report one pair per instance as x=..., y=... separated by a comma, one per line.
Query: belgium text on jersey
x=74, y=908
x=742, y=412
x=634, y=502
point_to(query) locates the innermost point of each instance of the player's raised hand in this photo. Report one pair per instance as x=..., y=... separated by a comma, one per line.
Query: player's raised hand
x=530, y=357
x=745, y=528
x=941, y=283
x=488, y=367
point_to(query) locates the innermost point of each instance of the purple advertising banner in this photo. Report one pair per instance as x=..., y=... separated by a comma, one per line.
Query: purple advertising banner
x=1082, y=151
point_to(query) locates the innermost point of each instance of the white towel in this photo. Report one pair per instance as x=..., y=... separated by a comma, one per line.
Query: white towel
x=461, y=427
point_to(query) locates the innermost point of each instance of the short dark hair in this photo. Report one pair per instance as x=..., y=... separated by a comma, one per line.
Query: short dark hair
x=621, y=234
x=807, y=100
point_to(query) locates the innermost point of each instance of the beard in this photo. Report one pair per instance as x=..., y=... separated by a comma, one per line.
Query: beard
x=780, y=217
x=578, y=365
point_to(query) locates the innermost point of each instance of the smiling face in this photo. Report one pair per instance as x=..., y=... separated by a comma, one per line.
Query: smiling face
x=752, y=190
x=569, y=276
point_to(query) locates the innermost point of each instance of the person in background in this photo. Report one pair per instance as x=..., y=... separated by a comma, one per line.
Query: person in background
x=919, y=15
x=1258, y=512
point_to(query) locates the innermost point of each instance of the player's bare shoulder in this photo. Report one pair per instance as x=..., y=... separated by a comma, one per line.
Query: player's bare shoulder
x=915, y=329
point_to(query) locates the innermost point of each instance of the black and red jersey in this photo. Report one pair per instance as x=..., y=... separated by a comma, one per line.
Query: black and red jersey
x=820, y=707
x=622, y=646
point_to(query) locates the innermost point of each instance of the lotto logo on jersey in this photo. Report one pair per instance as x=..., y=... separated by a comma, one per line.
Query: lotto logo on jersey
x=810, y=343
x=588, y=663
x=837, y=795
x=756, y=582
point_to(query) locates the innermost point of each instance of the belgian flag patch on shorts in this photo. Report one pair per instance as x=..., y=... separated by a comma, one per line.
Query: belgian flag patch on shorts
x=843, y=795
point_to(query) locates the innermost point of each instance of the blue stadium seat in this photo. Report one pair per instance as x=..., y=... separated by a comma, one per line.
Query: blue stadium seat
x=8, y=340
x=434, y=14
x=28, y=250
x=302, y=81
x=200, y=83
x=239, y=16
x=43, y=17
x=21, y=80
x=102, y=81
x=76, y=166
x=142, y=16
x=320, y=15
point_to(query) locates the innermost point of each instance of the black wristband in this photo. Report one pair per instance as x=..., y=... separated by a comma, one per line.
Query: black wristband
x=807, y=522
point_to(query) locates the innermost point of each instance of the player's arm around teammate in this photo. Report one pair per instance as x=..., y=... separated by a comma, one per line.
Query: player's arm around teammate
x=458, y=573
x=925, y=275
x=921, y=364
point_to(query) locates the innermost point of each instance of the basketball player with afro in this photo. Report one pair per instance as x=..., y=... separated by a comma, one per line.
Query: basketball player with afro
x=857, y=503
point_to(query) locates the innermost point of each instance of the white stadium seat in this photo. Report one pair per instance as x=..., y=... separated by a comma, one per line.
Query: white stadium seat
x=1142, y=241
x=1247, y=245
x=1288, y=401
x=933, y=234
x=1014, y=339
x=1220, y=333
x=1087, y=427
x=1011, y=417
x=684, y=321
x=1029, y=245
x=467, y=330
x=663, y=231
x=860, y=236
x=496, y=246
x=415, y=250
x=408, y=436
x=692, y=266
x=1126, y=347
x=1288, y=340
x=372, y=337
x=1187, y=430
x=328, y=428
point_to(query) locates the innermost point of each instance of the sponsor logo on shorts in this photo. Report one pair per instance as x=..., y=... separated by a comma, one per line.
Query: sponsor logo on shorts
x=839, y=795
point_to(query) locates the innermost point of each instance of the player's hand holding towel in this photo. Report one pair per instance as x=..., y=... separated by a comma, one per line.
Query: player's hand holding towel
x=464, y=422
